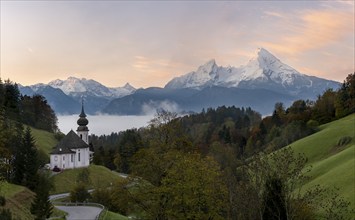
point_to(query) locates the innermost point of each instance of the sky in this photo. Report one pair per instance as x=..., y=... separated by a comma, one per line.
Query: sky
x=147, y=43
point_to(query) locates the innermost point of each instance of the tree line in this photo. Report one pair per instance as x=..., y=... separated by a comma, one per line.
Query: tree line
x=30, y=110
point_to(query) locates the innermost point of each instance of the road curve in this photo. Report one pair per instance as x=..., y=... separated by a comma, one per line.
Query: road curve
x=80, y=212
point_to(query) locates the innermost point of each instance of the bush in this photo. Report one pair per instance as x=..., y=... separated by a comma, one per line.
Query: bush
x=79, y=193
x=313, y=124
x=344, y=141
x=2, y=201
x=5, y=214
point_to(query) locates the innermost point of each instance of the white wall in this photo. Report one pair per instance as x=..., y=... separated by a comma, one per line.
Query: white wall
x=69, y=161
x=84, y=136
x=62, y=161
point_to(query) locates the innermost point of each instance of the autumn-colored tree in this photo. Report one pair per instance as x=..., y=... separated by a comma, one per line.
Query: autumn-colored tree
x=194, y=189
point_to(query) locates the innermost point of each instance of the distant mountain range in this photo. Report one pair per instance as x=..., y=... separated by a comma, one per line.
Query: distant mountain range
x=262, y=82
x=65, y=95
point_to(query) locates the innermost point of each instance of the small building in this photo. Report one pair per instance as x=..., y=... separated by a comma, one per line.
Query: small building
x=73, y=150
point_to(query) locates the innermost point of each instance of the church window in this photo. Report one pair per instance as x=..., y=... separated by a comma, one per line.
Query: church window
x=63, y=157
x=72, y=158
x=78, y=156
x=81, y=136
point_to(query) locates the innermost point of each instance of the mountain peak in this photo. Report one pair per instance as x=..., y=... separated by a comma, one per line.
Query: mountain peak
x=264, y=57
x=72, y=78
x=208, y=68
x=210, y=63
x=128, y=87
x=263, y=69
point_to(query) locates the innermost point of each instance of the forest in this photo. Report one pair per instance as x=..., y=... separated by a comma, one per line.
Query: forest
x=240, y=130
x=224, y=163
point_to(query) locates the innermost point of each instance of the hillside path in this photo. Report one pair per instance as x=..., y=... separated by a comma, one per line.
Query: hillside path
x=80, y=212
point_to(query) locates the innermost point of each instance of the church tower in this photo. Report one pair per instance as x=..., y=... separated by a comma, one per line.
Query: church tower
x=83, y=131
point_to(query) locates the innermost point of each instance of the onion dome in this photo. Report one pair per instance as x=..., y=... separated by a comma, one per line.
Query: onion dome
x=82, y=121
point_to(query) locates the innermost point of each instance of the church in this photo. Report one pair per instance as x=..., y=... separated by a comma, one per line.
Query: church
x=73, y=150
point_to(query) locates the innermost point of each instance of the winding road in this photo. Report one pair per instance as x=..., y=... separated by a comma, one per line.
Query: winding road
x=80, y=212
x=77, y=212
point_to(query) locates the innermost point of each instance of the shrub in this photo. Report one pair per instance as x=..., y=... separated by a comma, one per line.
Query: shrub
x=313, y=124
x=2, y=201
x=344, y=141
x=5, y=214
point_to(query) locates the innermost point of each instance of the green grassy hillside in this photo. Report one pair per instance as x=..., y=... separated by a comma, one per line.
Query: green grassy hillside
x=99, y=176
x=113, y=216
x=18, y=200
x=45, y=140
x=332, y=165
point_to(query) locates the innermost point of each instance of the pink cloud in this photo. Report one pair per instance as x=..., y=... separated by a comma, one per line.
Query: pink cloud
x=314, y=30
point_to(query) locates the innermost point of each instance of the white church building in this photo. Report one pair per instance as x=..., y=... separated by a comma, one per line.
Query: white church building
x=73, y=150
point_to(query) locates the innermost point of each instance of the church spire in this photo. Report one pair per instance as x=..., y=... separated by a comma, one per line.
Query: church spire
x=82, y=121
x=82, y=114
x=83, y=130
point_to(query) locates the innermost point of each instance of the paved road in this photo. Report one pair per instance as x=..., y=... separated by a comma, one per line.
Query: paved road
x=80, y=212
x=58, y=196
x=77, y=212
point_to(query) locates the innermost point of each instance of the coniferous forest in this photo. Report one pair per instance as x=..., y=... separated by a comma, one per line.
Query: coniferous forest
x=20, y=159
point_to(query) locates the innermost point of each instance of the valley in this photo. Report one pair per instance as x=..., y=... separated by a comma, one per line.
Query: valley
x=226, y=142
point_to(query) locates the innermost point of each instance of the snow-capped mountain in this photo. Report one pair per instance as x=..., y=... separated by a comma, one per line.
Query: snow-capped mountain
x=78, y=87
x=259, y=84
x=264, y=71
x=65, y=95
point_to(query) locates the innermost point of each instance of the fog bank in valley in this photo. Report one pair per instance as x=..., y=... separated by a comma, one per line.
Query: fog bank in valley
x=104, y=124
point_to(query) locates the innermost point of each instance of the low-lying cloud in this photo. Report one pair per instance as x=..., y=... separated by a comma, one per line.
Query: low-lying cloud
x=152, y=107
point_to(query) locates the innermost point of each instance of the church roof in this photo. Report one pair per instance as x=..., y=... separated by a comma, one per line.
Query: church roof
x=63, y=150
x=69, y=142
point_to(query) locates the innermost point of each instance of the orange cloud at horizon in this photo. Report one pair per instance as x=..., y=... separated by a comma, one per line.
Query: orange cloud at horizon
x=316, y=30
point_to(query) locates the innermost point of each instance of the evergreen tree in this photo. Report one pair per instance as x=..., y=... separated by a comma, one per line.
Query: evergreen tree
x=11, y=100
x=36, y=112
x=31, y=160
x=2, y=94
x=26, y=161
x=345, y=101
x=41, y=207
x=18, y=162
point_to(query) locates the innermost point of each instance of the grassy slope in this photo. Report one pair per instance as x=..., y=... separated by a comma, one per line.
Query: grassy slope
x=113, y=216
x=65, y=181
x=331, y=166
x=45, y=140
x=99, y=176
x=18, y=200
